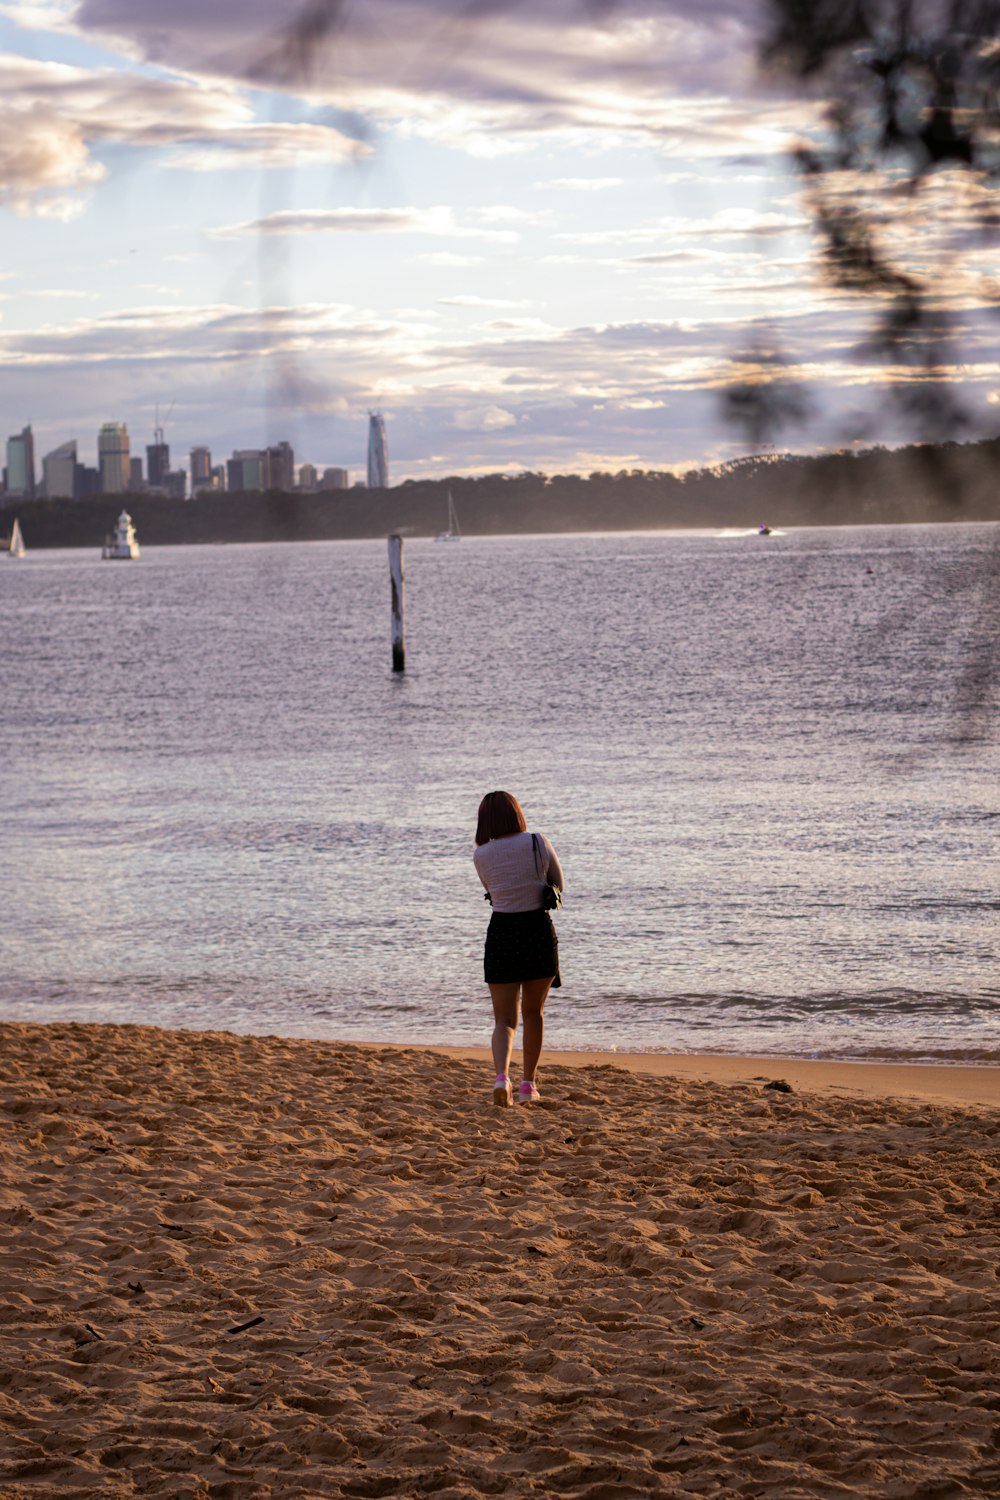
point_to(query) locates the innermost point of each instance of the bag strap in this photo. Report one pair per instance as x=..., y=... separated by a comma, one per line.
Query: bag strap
x=534, y=844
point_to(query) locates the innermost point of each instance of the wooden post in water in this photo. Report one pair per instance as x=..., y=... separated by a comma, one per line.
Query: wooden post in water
x=398, y=603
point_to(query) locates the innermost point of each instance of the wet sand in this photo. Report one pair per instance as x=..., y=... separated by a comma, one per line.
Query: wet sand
x=948, y=1084
x=252, y=1267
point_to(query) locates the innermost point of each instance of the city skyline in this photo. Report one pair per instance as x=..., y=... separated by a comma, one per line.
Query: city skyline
x=543, y=237
x=60, y=473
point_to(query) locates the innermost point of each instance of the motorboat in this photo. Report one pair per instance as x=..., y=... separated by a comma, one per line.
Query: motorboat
x=122, y=543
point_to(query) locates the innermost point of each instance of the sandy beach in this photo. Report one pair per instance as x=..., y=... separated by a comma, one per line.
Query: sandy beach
x=251, y=1266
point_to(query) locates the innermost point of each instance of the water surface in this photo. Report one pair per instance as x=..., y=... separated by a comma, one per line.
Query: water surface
x=769, y=766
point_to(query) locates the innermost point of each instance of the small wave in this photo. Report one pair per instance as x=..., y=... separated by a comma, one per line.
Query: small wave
x=938, y=904
x=828, y=1004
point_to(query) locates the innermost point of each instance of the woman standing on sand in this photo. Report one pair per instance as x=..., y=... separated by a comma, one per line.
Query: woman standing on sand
x=522, y=953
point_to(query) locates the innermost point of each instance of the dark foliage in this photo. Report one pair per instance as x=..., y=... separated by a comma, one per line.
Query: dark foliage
x=911, y=484
x=912, y=89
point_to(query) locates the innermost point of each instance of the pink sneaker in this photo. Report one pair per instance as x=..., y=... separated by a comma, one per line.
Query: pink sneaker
x=501, y=1092
x=527, y=1093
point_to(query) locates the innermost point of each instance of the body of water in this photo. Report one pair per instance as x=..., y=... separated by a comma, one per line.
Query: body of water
x=769, y=766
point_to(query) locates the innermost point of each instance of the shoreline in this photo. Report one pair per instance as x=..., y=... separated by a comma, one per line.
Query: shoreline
x=947, y=1083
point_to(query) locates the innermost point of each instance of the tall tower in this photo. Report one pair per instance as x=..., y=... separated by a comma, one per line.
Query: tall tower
x=201, y=470
x=282, y=475
x=59, y=471
x=378, y=453
x=157, y=459
x=113, y=458
x=21, y=464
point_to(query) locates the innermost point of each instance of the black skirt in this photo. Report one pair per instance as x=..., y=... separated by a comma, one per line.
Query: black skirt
x=521, y=945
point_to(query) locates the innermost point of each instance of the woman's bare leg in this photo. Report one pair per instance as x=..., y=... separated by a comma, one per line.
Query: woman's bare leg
x=505, y=1015
x=533, y=993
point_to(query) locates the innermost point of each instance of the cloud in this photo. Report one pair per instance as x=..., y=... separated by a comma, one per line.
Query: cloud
x=221, y=333
x=60, y=293
x=53, y=118
x=639, y=361
x=217, y=88
x=726, y=223
x=483, y=79
x=676, y=257
x=440, y=221
x=62, y=207
x=489, y=419
x=645, y=392
x=268, y=147
x=41, y=156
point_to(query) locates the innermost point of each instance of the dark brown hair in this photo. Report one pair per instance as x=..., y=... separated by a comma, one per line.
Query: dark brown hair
x=499, y=814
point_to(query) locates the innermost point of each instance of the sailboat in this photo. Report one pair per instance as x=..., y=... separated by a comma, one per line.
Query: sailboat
x=15, y=542
x=453, y=534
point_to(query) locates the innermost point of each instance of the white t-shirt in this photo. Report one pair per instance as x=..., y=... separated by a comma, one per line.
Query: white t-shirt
x=514, y=878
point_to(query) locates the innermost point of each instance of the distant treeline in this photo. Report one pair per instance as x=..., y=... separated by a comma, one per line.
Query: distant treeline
x=949, y=482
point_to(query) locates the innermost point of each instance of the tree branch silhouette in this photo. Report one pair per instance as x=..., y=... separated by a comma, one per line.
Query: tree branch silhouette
x=912, y=91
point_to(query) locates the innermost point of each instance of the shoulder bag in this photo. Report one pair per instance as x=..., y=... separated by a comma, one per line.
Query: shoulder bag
x=552, y=895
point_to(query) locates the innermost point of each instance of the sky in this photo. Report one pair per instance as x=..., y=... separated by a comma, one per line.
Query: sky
x=534, y=234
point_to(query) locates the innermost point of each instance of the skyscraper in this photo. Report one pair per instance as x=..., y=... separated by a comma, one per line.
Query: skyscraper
x=113, y=458
x=378, y=453
x=59, y=471
x=157, y=461
x=88, y=481
x=282, y=467
x=201, y=470
x=249, y=469
x=21, y=464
